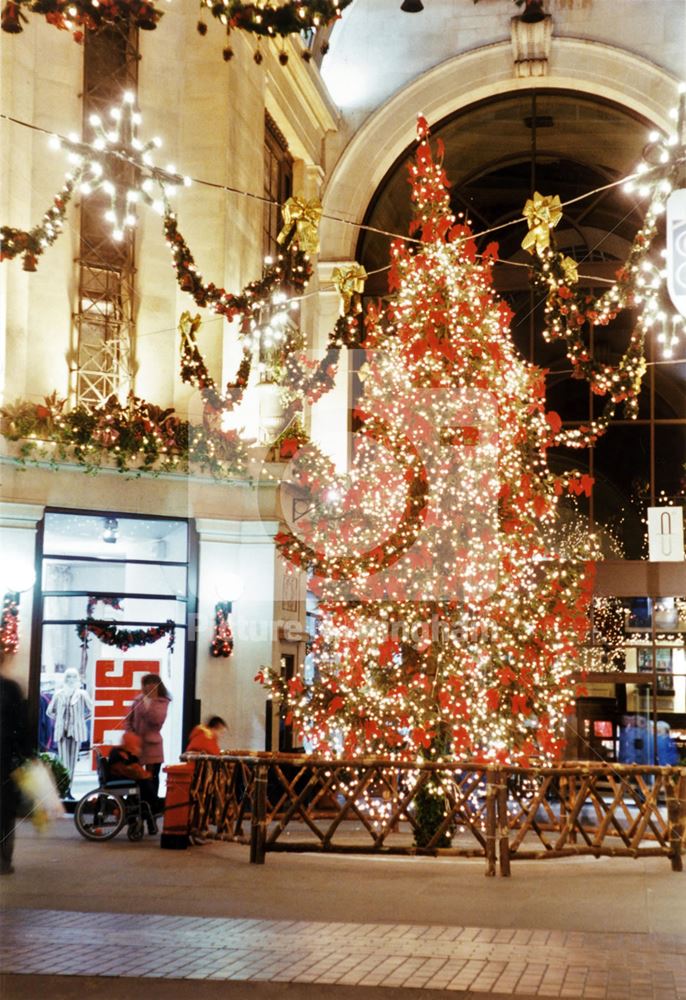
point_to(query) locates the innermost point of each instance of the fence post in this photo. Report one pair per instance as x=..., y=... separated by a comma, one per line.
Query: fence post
x=491, y=819
x=676, y=816
x=258, y=817
x=503, y=825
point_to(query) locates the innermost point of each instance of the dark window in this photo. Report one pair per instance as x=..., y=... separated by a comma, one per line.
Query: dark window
x=278, y=183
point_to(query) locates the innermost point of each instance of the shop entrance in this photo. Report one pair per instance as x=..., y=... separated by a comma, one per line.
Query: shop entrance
x=115, y=598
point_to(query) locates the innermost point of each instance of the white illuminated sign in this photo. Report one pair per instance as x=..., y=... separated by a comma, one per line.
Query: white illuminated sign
x=665, y=534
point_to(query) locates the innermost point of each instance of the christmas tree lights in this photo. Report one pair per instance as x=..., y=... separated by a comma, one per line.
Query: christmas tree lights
x=451, y=624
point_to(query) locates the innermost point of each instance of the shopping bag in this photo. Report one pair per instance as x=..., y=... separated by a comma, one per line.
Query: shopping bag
x=36, y=784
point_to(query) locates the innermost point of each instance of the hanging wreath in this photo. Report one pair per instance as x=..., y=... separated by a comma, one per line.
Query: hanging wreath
x=123, y=638
x=222, y=639
x=9, y=626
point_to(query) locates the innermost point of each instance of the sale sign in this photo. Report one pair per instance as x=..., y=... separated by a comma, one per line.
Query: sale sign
x=117, y=682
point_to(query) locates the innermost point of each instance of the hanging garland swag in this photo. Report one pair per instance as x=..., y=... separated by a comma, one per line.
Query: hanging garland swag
x=258, y=18
x=122, y=638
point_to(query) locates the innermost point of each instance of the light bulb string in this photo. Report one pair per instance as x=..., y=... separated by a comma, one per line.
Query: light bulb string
x=264, y=199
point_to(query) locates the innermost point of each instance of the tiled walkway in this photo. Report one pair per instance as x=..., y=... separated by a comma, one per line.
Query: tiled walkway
x=506, y=962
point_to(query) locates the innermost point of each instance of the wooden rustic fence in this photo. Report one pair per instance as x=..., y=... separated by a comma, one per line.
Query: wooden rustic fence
x=280, y=802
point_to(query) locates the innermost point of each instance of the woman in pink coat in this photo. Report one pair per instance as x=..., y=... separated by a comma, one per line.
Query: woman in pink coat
x=146, y=718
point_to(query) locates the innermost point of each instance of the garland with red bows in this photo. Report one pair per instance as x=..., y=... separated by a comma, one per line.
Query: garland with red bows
x=122, y=638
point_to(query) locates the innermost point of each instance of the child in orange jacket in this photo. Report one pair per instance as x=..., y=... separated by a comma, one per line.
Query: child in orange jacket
x=205, y=739
x=124, y=762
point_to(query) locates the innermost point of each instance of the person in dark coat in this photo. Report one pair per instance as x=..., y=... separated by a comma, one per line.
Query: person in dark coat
x=14, y=749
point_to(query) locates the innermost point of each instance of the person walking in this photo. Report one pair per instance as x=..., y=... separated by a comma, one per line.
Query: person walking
x=146, y=718
x=14, y=749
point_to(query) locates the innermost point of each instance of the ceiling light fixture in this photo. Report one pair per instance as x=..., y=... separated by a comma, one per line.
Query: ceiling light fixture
x=111, y=530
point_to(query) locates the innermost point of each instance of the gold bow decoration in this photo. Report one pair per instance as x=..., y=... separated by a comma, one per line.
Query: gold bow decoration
x=349, y=282
x=542, y=213
x=305, y=216
x=570, y=270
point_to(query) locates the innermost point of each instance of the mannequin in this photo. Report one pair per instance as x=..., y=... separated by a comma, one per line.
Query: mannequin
x=70, y=707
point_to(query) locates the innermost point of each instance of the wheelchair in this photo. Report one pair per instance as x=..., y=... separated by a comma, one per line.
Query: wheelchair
x=102, y=813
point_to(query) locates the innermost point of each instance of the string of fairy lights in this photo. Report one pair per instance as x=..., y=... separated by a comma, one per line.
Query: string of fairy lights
x=118, y=143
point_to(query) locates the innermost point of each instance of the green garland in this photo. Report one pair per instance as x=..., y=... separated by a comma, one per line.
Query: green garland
x=138, y=436
x=194, y=370
x=124, y=638
x=292, y=267
x=79, y=16
x=570, y=312
x=31, y=244
x=289, y=18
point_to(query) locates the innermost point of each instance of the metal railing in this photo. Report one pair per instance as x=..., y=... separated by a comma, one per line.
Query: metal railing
x=282, y=802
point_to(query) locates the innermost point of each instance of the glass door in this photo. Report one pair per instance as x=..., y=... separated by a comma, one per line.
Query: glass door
x=114, y=593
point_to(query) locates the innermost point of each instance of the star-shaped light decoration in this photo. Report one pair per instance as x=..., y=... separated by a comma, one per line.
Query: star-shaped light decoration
x=118, y=145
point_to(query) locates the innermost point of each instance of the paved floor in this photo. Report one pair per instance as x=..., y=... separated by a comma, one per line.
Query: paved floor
x=119, y=920
x=433, y=957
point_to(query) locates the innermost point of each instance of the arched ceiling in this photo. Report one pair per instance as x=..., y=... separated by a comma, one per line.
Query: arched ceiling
x=498, y=151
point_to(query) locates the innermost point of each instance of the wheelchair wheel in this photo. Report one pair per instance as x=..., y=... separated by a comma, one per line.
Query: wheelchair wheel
x=99, y=815
x=135, y=829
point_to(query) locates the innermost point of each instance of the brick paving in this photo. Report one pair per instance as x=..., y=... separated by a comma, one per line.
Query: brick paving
x=487, y=961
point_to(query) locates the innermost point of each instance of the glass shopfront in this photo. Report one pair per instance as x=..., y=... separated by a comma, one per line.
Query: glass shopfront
x=113, y=606
x=634, y=707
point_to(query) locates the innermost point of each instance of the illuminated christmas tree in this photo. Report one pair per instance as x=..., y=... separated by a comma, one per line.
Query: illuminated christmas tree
x=452, y=617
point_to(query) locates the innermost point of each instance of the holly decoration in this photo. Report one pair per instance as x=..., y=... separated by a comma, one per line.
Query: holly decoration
x=222, y=639
x=451, y=614
x=9, y=624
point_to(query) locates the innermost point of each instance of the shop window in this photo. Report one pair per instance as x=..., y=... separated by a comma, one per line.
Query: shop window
x=636, y=682
x=131, y=573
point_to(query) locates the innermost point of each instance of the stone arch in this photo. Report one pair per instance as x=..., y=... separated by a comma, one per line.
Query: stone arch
x=576, y=64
